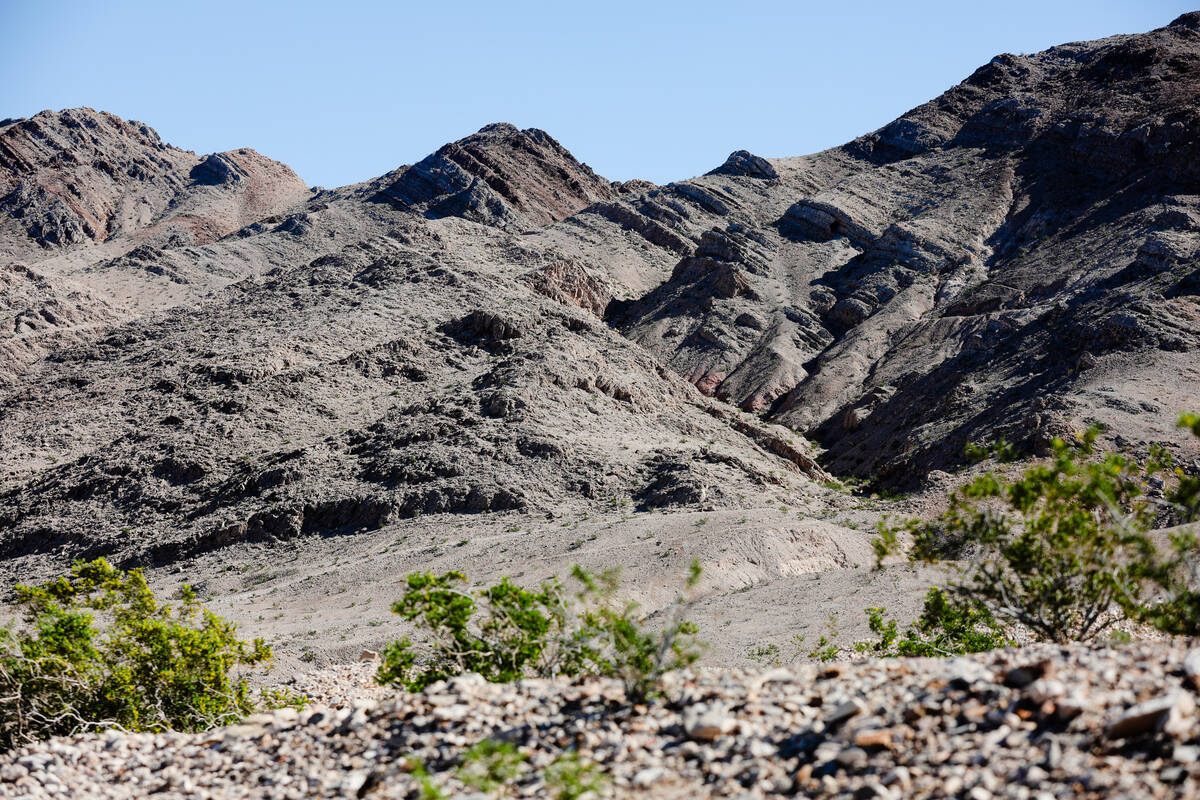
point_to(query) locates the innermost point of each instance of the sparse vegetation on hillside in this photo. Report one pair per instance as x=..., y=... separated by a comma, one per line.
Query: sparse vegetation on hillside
x=94, y=649
x=505, y=632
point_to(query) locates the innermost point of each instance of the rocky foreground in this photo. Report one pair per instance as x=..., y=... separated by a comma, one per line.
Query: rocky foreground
x=1031, y=723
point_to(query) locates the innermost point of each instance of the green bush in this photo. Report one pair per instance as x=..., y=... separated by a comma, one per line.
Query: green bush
x=1186, y=496
x=570, y=777
x=490, y=766
x=496, y=768
x=1062, y=552
x=613, y=638
x=945, y=628
x=1176, y=609
x=94, y=649
x=505, y=632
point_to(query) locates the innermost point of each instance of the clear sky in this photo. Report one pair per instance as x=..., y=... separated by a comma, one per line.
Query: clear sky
x=345, y=90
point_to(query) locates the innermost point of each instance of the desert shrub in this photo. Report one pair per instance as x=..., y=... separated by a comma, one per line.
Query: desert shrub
x=95, y=649
x=570, y=777
x=1176, y=609
x=1001, y=450
x=1061, y=551
x=1186, y=495
x=495, y=768
x=490, y=766
x=945, y=628
x=826, y=648
x=614, y=639
x=505, y=632
x=768, y=653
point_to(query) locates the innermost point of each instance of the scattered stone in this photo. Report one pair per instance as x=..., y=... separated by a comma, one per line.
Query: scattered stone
x=649, y=776
x=1186, y=753
x=1170, y=713
x=706, y=724
x=853, y=758
x=844, y=711
x=1046, y=689
x=1022, y=676
x=899, y=776
x=873, y=738
x=1191, y=667
x=718, y=733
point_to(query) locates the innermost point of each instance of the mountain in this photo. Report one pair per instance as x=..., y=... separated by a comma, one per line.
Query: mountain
x=81, y=176
x=81, y=190
x=202, y=351
x=1016, y=258
x=500, y=176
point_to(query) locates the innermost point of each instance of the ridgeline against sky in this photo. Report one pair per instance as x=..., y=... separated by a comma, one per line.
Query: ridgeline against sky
x=661, y=91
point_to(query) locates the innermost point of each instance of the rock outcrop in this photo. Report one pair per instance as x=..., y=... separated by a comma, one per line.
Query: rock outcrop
x=500, y=176
x=83, y=176
x=962, y=261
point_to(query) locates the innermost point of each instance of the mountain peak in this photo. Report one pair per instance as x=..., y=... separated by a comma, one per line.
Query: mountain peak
x=499, y=127
x=1189, y=20
x=501, y=176
x=79, y=175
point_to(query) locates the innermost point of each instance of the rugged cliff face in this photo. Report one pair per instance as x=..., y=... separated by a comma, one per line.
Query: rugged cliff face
x=200, y=350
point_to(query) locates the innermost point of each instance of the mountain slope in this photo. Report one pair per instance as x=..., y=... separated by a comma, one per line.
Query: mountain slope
x=90, y=204
x=499, y=176
x=382, y=363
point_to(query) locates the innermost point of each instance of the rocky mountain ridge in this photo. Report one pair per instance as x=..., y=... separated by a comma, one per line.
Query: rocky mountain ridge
x=379, y=364
x=499, y=176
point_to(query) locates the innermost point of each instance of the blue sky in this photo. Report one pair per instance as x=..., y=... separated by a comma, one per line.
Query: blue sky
x=343, y=91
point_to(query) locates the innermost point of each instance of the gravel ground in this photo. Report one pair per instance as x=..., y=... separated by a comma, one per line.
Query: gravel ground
x=1037, y=722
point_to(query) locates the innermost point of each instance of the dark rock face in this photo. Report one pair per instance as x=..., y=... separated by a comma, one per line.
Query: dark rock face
x=743, y=162
x=673, y=482
x=218, y=169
